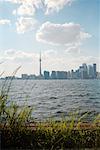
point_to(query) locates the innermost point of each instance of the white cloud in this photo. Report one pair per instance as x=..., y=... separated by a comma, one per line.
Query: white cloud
x=48, y=5
x=25, y=9
x=50, y=53
x=36, y=3
x=61, y=34
x=25, y=24
x=12, y=1
x=12, y=54
x=73, y=50
x=56, y=5
x=11, y=58
x=5, y=22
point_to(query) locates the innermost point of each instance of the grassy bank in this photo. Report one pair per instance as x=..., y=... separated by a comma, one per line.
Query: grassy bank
x=50, y=136
x=17, y=132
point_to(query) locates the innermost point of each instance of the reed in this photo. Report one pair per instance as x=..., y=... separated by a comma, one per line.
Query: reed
x=17, y=132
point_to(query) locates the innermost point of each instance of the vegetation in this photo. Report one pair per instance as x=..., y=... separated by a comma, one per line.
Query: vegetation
x=17, y=132
x=50, y=135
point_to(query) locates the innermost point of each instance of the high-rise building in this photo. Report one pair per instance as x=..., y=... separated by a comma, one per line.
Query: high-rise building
x=68, y=75
x=98, y=75
x=72, y=74
x=53, y=75
x=61, y=75
x=90, y=72
x=77, y=75
x=81, y=72
x=85, y=71
x=94, y=70
x=46, y=75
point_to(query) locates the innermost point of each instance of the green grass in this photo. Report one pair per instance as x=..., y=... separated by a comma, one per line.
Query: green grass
x=18, y=133
x=51, y=136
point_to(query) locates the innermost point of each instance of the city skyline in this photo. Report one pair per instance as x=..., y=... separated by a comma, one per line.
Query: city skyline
x=84, y=71
x=41, y=70
x=65, y=31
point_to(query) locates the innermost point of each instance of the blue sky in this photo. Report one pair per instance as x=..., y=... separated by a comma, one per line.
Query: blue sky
x=65, y=31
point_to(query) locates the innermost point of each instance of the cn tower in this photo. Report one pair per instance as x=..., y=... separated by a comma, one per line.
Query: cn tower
x=40, y=65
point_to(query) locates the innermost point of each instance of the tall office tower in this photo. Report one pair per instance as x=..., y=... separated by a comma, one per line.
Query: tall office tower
x=94, y=70
x=69, y=75
x=85, y=71
x=72, y=74
x=53, y=75
x=46, y=75
x=90, y=72
x=40, y=65
x=77, y=74
x=61, y=74
x=81, y=72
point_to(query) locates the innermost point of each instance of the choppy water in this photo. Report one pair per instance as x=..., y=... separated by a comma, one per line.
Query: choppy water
x=54, y=98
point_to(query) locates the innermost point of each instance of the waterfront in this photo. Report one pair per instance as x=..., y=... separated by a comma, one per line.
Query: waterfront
x=56, y=98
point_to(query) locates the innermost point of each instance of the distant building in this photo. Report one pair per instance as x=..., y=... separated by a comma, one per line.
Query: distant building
x=10, y=77
x=72, y=74
x=81, y=72
x=94, y=70
x=77, y=76
x=85, y=71
x=53, y=75
x=31, y=76
x=46, y=75
x=98, y=75
x=61, y=74
x=90, y=72
x=68, y=75
x=24, y=76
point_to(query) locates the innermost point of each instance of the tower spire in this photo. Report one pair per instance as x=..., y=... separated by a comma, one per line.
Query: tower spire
x=40, y=64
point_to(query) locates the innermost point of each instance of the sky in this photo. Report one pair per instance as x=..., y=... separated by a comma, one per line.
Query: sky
x=66, y=32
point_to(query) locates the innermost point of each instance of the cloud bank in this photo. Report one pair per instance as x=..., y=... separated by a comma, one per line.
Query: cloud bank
x=28, y=8
x=5, y=22
x=61, y=34
x=47, y=5
x=24, y=24
x=56, y=5
x=24, y=10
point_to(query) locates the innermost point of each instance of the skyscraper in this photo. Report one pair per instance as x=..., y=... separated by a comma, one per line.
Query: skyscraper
x=53, y=75
x=61, y=74
x=46, y=75
x=40, y=65
x=85, y=71
x=94, y=70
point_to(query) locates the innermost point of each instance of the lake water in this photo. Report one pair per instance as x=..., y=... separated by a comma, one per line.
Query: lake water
x=56, y=98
